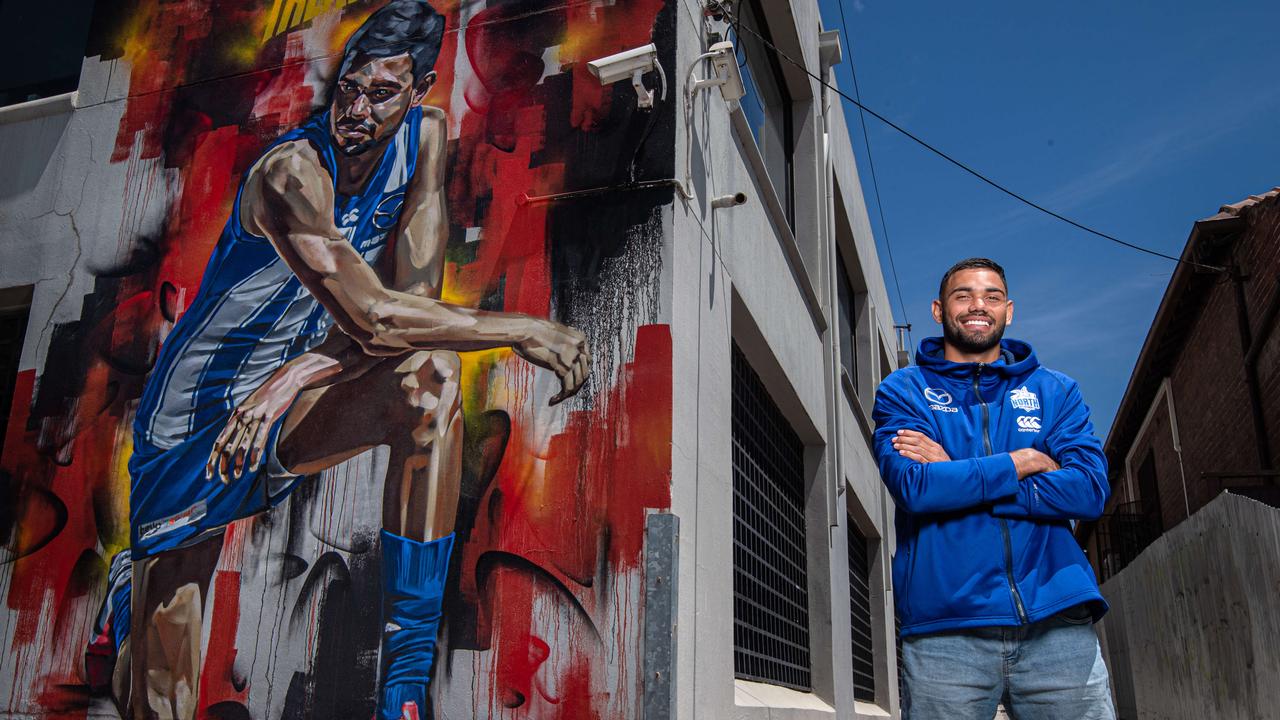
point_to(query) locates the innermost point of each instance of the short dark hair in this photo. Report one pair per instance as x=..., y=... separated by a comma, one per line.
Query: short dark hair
x=400, y=27
x=971, y=264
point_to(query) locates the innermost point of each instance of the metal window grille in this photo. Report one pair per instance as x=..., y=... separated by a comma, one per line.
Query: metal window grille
x=864, y=679
x=770, y=578
x=13, y=325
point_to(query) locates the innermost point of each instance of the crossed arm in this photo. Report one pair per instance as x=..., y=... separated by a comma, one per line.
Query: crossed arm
x=1068, y=482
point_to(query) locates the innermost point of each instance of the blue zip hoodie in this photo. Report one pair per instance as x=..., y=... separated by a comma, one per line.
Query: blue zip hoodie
x=976, y=546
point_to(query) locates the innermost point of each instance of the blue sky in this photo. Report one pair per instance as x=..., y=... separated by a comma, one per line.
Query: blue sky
x=1136, y=118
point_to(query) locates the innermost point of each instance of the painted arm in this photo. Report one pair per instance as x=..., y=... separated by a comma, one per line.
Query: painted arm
x=932, y=487
x=417, y=267
x=1079, y=489
x=423, y=230
x=242, y=443
x=289, y=200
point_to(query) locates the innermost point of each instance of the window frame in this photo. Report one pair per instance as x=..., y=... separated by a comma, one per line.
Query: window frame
x=861, y=618
x=780, y=109
x=769, y=646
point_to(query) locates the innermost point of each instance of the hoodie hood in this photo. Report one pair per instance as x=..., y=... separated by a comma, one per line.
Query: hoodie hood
x=1016, y=358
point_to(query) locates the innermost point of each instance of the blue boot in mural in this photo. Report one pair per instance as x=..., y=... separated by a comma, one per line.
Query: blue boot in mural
x=111, y=627
x=413, y=579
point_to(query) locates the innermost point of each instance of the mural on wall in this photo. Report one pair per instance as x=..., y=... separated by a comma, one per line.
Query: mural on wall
x=368, y=421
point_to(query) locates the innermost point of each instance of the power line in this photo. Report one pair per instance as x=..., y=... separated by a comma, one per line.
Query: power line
x=919, y=141
x=875, y=183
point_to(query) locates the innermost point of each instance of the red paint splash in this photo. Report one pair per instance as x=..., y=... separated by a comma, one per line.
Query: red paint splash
x=217, y=680
x=188, y=67
x=605, y=470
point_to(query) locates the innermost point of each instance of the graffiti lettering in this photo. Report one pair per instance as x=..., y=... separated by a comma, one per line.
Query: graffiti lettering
x=288, y=14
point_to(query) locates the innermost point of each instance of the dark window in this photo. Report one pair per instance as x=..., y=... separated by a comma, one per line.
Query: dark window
x=43, y=47
x=767, y=104
x=13, y=325
x=770, y=577
x=1149, y=491
x=864, y=679
x=848, y=321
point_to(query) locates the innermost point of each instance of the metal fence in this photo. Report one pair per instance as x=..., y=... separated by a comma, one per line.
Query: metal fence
x=770, y=579
x=1122, y=534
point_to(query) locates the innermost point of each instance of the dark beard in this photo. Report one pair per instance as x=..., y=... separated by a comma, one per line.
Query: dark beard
x=956, y=337
x=355, y=149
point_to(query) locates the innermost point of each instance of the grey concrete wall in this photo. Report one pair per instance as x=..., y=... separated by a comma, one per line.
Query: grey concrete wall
x=740, y=275
x=1194, y=621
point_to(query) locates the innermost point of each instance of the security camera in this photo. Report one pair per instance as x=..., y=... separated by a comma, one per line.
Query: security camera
x=621, y=65
x=724, y=63
x=633, y=63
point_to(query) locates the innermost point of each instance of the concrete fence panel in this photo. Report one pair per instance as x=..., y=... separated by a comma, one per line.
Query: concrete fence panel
x=1194, y=624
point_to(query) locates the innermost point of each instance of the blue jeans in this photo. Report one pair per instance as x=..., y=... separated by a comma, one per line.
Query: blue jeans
x=1050, y=670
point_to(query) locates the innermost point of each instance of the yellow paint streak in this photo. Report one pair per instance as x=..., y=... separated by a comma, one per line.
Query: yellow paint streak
x=345, y=29
x=134, y=46
x=455, y=292
x=476, y=370
x=243, y=51
x=118, y=485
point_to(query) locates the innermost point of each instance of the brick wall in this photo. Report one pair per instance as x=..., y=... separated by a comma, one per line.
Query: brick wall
x=1158, y=440
x=1209, y=391
x=1208, y=378
x=1264, y=244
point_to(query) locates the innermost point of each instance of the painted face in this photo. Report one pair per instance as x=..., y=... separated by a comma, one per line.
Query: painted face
x=371, y=99
x=974, y=310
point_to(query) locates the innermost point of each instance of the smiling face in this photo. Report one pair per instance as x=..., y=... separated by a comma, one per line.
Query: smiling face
x=371, y=99
x=974, y=309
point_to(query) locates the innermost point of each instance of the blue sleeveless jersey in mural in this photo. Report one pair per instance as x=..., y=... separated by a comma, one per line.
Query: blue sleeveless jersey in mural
x=250, y=316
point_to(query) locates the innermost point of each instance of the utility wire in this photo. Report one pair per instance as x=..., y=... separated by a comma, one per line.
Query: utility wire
x=871, y=163
x=919, y=141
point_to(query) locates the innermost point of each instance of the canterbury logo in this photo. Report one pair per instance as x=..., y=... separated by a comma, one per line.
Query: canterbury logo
x=1029, y=423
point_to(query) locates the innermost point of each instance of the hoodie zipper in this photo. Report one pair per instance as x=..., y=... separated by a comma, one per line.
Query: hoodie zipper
x=1004, y=524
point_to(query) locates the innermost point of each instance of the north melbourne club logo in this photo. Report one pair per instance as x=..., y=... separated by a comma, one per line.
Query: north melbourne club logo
x=1023, y=399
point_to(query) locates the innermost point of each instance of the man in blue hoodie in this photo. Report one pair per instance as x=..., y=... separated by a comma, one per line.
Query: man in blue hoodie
x=989, y=457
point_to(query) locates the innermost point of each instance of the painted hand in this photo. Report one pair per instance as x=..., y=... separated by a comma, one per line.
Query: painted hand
x=919, y=447
x=560, y=349
x=242, y=443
